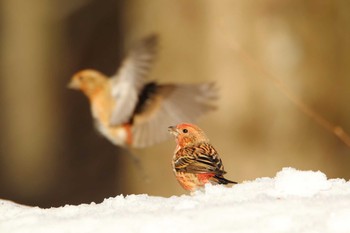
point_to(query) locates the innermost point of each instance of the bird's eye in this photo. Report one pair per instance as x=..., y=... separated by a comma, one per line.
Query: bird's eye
x=185, y=131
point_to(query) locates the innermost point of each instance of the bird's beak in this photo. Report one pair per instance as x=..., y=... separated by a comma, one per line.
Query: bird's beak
x=74, y=84
x=172, y=130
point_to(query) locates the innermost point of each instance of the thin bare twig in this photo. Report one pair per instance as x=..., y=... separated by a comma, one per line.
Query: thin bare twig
x=336, y=130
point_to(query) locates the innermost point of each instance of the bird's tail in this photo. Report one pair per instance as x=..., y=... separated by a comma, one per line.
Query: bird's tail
x=223, y=180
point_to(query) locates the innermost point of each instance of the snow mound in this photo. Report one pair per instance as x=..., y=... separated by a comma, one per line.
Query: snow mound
x=293, y=201
x=300, y=183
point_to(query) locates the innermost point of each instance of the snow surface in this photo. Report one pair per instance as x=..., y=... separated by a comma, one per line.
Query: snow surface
x=293, y=201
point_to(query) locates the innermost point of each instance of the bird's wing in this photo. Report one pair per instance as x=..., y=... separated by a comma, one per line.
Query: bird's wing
x=202, y=158
x=130, y=79
x=170, y=105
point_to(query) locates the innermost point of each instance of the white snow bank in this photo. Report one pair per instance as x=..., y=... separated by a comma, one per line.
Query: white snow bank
x=300, y=183
x=293, y=201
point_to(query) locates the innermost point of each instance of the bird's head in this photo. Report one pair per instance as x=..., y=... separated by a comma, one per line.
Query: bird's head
x=188, y=134
x=88, y=81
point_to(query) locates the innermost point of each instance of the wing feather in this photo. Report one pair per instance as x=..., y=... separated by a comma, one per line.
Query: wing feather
x=130, y=79
x=171, y=105
x=199, y=159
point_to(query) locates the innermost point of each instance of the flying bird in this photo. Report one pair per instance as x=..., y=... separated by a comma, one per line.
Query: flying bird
x=195, y=161
x=131, y=111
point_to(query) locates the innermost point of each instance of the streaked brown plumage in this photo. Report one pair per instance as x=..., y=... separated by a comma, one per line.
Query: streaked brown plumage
x=195, y=161
x=131, y=112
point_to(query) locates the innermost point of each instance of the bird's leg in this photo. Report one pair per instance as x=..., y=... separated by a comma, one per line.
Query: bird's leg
x=139, y=166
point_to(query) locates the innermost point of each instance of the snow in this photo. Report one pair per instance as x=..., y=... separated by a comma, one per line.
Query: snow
x=300, y=183
x=293, y=201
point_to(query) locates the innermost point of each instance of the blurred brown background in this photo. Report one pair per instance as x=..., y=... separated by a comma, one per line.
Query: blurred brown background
x=50, y=155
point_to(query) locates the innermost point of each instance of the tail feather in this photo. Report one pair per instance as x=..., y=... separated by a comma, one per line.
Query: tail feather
x=223, y=180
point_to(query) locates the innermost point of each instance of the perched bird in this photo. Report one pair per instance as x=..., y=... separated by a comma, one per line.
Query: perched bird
x=129, y=111
x=195, y=161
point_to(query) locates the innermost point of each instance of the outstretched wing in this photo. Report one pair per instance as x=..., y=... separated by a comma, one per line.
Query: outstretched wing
x=170, y=105
x=130, y=79
x=202, y=158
